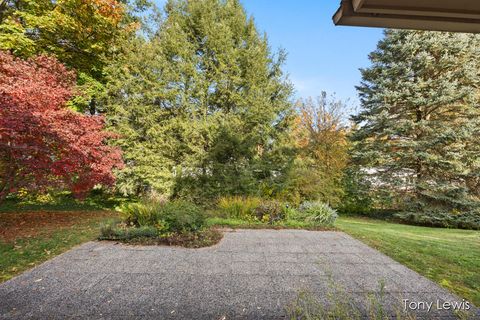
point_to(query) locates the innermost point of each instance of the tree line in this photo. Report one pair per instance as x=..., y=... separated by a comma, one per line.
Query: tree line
x=191, y=102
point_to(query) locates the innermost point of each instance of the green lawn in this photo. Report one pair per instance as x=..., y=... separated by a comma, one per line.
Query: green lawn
x=450, y=257
x=30, y=238
x=62, y=203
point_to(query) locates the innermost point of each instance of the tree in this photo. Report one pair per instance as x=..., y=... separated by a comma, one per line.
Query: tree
x=419, y=120
x=82, y=34
x=203, y=107
x=42, y=143
x=320, y=139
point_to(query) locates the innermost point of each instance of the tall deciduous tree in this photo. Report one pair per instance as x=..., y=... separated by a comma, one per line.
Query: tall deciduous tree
x=320, y=139
x=82, y=34
x=42, y=143
x=203, y=107
x=421, y=119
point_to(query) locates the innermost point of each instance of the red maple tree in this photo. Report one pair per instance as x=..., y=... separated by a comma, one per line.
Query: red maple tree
x=43, y=143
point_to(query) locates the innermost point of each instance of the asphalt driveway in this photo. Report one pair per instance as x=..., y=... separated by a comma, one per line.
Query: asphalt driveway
x=250, y=274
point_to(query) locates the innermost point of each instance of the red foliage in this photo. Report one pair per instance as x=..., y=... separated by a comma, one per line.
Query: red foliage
x=43, y=143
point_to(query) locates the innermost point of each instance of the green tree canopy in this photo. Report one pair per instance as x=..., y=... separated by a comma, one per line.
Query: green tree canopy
x=420, y=120
x=203, y=108
x=82, y=34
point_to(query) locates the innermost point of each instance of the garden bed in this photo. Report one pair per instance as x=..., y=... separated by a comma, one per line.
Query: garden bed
x=201, y=239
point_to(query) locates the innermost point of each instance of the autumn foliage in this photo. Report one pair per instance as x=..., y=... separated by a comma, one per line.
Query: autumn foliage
x=42, y=143
x=321, y=142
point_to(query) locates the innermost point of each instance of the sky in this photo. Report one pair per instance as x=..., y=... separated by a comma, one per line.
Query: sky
x=321, y=56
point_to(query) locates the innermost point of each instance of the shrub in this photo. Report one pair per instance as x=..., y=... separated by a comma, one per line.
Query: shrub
x=182, y=216
x=144, y=213
x=252, y=209
x=156, y=221
x=108, y=230
x=462, y=220
x=269, y=211
x=356, y=198
x=290, y=212
x=237, y=207
x=317, y=213
x=167, y=217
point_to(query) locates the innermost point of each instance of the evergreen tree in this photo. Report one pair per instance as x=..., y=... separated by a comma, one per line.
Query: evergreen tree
x=203, y=108
x=420, y=119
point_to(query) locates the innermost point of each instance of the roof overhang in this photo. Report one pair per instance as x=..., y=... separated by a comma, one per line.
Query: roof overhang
x=439, y=15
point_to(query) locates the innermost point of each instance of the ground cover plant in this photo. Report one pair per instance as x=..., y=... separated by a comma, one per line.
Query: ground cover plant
x=449, y=257
x=151, y=221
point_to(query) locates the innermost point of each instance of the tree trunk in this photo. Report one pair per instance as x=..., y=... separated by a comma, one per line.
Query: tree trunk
x=7, y=176
x=418, y=165
x=92, y=106
x=7, y=184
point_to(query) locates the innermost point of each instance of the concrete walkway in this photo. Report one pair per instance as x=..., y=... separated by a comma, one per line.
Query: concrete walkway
x=250, y=274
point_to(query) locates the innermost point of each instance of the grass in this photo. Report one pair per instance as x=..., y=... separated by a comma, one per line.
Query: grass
x=62, y=203
x=243, y=224
x=340, y=305
x=30, y=238
x=449, y=257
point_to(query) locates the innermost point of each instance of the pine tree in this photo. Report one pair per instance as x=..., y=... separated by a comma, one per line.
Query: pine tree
x=203, y=107
x=420, y=120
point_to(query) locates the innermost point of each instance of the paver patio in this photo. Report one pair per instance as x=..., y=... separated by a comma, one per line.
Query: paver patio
x=250, y=274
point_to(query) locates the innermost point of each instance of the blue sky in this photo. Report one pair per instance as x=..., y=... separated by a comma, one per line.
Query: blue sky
x=321, y=57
